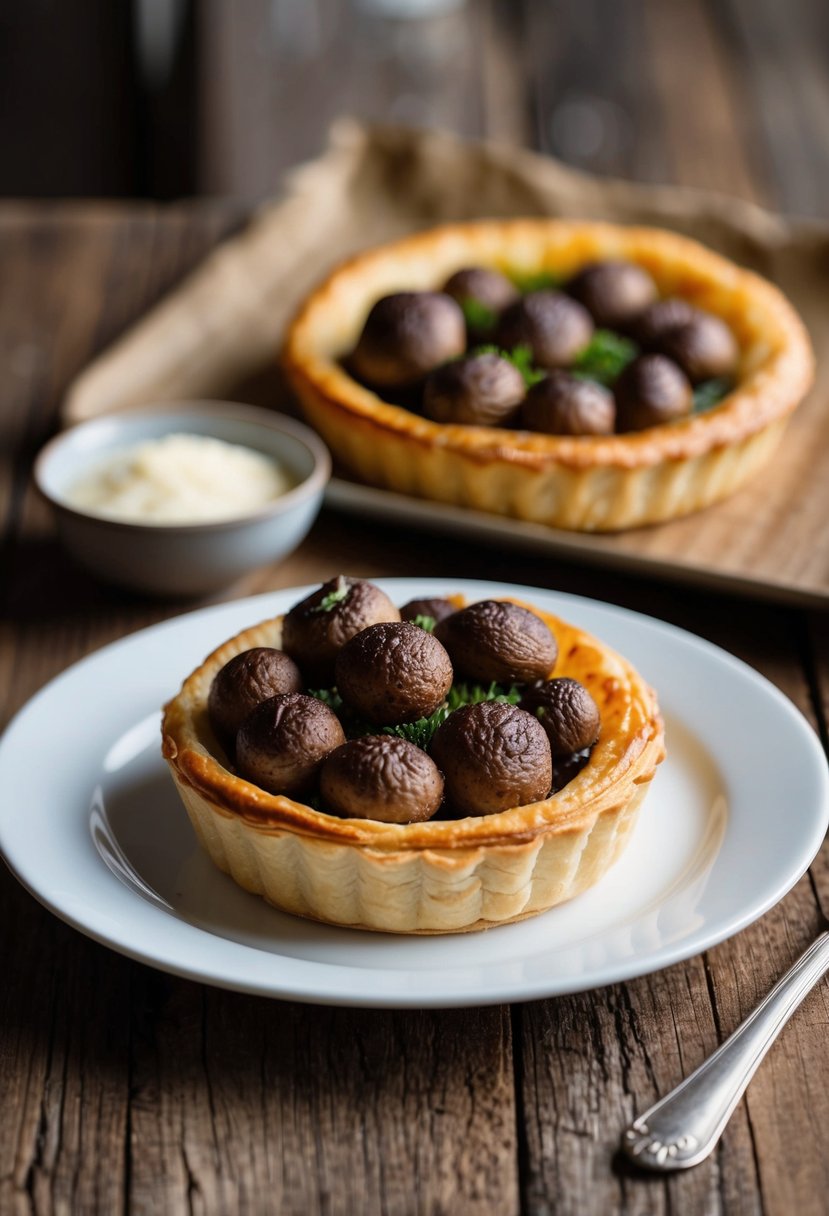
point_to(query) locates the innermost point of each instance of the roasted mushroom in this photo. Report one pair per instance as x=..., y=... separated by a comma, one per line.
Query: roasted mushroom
x=659, y=319
x=613, y=292
x=478, y=390
x=493, y=757
x=496, y=640
x=381, y=777
x=315, y=629
x=437, y=609
x=243, y=683
x=567, y=712
x=555, y=328
x=483, y=295
x=562, y=404
x=704, y=347
x=393, y=672
x=405, y=336
x=650, y=391
x=281, y=745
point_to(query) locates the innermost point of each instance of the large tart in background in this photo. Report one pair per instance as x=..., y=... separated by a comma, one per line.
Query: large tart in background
x=586, y=482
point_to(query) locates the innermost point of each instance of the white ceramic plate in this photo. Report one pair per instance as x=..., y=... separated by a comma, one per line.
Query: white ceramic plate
x=91, y=825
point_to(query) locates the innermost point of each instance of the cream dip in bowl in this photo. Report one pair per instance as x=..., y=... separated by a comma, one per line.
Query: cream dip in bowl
x=183, y=498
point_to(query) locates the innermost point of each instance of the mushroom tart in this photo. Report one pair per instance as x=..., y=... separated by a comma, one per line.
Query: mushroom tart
x=366, y=806
x=401, y=362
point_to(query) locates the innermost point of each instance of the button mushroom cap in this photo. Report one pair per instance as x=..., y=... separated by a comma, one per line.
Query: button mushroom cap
x=659, y=318
x=381, y=777
x=393, y=672
x=704, y=347
x=613, y=292
x=406, y=335
x=494, y=640
x=489, y=288
x=562, y=404
x=316, y=628
x=567, y=712
x=243, y=683
x=437, y=609
x=651, y=390
x=483, y=295
x=554, y=327
x=281, y=745
x=478, y=390
x=493, y=757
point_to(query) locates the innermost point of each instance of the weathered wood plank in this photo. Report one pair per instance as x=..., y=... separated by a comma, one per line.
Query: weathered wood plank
x=247, y=1105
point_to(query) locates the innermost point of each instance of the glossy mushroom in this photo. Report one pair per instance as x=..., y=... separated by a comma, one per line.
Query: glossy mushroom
x=281, y=745
x=405, y=336
x=315, y=629
x=567, y=712
x=483, y=294
x=614, y=292
x=393, y=672
x=652, y=390
x=243, y=683
x=478, y=390
x=381, y=777
x=562, y=404
x=493, y=757
x=500, y=641
x=555, y=328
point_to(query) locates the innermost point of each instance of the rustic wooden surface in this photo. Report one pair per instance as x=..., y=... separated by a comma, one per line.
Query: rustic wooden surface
x=125, y=1089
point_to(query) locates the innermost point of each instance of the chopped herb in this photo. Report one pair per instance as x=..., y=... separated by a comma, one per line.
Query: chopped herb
x=421, y=731
x=605, y=357
x=711, y=393
x=425, y=622
x=479, y=318
x=521, y=357
x=471, y=694
x=535, y=280
x=334, y=597
x=328, y=696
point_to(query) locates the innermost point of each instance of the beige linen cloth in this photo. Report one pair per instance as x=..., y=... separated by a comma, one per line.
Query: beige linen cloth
x=220, y=331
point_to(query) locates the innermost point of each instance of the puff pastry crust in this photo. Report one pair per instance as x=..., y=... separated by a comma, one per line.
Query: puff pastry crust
x=590, y=483
x=441, y=876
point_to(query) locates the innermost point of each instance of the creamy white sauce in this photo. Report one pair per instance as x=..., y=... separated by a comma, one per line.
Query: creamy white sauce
x=180, y=479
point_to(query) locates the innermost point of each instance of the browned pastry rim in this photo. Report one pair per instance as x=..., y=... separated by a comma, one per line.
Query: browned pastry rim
x=222, y=804
x=372, y=436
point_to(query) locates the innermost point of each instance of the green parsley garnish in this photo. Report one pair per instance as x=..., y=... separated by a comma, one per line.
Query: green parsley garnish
x=334, y=597
x=605, y=357
x=535, y=280
x=421, y=731
x=521, y=357
x=711, y=393
x=426, y=623
x=479, y=319
x=328, y=696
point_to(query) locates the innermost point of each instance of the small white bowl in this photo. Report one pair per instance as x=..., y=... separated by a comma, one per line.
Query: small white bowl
x=184, y=559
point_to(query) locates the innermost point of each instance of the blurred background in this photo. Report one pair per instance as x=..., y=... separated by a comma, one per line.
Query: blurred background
x=166, y=99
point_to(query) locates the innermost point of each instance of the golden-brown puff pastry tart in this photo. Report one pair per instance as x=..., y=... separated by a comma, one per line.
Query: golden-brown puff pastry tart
x=587, y=482
x=441, y=876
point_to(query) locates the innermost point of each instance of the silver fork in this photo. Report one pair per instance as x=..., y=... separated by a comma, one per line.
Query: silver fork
x=682, y=1128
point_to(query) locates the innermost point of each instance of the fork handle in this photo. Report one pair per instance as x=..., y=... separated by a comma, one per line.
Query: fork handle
x=682, y=1128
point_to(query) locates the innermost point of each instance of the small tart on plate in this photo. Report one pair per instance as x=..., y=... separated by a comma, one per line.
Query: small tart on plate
x=600, y=482
x=440, y=876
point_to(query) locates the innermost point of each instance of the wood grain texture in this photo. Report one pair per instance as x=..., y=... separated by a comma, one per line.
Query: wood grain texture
x=122, y=1089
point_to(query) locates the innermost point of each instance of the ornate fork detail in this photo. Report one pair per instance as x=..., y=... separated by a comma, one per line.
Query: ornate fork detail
x=682, y=1128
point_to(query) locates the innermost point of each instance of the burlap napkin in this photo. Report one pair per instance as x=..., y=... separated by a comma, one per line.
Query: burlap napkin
x=222, y=327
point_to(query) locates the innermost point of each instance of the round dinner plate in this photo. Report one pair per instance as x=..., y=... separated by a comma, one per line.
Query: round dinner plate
x=91, y=824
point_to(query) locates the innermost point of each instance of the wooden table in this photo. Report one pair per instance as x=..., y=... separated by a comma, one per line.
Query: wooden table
x=125, y=1089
